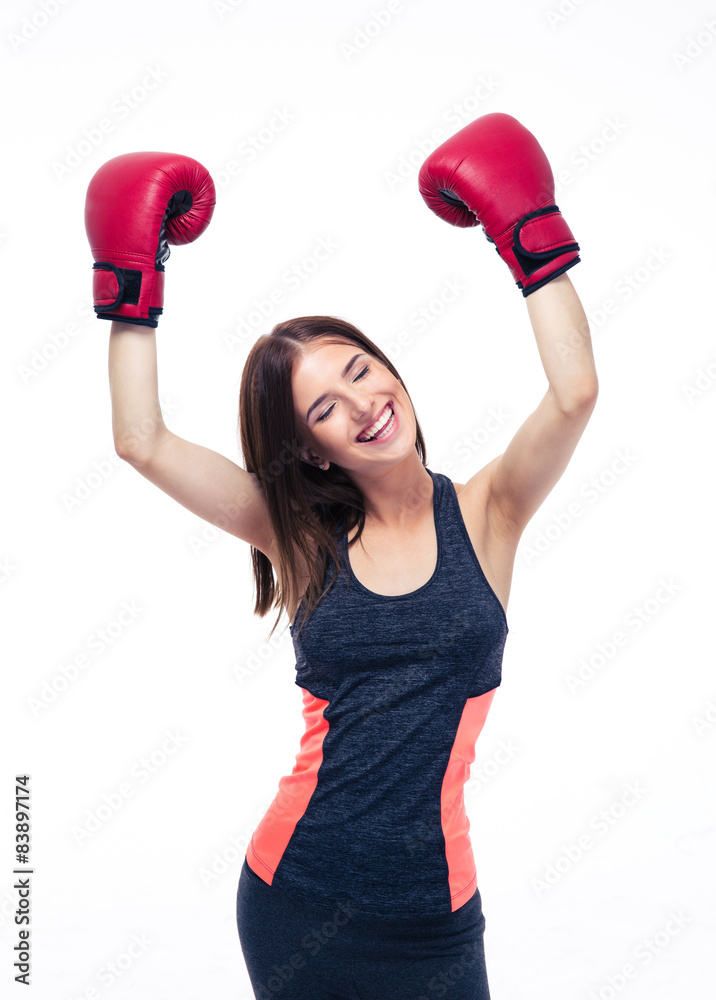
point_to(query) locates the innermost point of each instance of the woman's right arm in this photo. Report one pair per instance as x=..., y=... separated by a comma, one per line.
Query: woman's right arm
x=202, y=480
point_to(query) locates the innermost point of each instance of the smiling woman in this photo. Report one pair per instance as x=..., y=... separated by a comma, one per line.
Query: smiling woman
x=395, y=579
x=310, y=390
x=397, y=669
x=398, y=666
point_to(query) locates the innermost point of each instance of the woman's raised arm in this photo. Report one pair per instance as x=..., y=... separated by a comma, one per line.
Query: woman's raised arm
x=205, y=482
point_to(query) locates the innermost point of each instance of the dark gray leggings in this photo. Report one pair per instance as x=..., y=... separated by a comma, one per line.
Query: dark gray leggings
x=297, y=951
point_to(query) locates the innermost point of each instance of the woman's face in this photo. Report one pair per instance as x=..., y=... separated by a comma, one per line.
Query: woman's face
x=338, y=392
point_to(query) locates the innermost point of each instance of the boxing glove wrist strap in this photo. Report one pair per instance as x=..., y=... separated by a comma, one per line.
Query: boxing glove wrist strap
x=118, y=291
x=538, y=248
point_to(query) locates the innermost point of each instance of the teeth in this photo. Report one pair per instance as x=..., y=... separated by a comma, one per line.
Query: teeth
x=385, y=427
x=379, y=425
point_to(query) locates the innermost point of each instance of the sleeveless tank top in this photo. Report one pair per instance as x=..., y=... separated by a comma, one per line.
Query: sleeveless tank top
x=395, y=691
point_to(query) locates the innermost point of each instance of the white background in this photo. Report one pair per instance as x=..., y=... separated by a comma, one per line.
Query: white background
x=620, y=96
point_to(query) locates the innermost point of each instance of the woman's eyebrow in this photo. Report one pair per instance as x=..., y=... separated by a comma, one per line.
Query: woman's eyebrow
x=343, y=375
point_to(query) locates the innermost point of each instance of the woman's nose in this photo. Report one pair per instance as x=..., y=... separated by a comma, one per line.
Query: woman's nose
x=362, y=404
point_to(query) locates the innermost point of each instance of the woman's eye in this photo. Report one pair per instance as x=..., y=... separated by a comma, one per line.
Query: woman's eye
x=361, y=374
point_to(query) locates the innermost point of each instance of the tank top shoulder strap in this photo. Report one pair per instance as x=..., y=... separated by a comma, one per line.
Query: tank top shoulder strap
x=450, y=524
x=442, y=507
x=446, y=505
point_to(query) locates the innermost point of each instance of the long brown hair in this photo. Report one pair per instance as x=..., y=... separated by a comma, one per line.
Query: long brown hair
x=304, y=503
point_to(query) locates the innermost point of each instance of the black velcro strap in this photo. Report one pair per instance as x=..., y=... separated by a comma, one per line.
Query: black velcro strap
x=129, y=283
x=152, y=320
x=542, y=236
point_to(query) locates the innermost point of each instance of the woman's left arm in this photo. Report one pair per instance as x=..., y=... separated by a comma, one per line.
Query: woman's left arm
x=518, y=481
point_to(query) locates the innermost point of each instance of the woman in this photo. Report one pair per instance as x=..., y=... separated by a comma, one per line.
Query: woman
x=359, y=882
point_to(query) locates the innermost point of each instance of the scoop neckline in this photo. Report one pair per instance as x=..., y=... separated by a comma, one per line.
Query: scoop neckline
x=412, y=593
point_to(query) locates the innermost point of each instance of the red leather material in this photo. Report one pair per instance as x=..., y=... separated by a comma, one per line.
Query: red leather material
x=542, y=235
x=499, y=172
x=107, y=288
x=125, y=208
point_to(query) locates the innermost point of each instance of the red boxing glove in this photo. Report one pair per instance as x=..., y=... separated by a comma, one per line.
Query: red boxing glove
x=495, y=173
x=136, y=205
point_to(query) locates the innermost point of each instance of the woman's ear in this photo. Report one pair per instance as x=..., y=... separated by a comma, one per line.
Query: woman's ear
x=306, y=455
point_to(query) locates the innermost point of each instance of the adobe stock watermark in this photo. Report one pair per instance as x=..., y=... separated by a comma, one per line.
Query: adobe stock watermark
x=598, y=827
x=135, y=435
x=56, y=343
x=120, y=109
x=32, y=25
x=695, y=45
x=480, y=776
x=633, y=623
x=252, y=145
x=226, y=511
x=592, y=490
x=644, y=953
x=441, y=986
x=256, y=659
x=704, y=380
x=556, y=16
x=223, y=7
x=627, y=286
x=98, y=642
x=291, y=279
x=233, y=853
x=7, y=569
x=227, y=858
x=140, y=773
x=474, y=441
x=424, y=315
x=366, y=33
x=200, y=541
x=116, y=968
x=706, y=722
x=284, y=966
x=588, y=153
x=459, y=113
x=490, y=767
x=101, y=471
x=86, y=486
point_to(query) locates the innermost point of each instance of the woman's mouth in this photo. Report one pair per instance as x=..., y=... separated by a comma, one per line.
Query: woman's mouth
x=383, y=428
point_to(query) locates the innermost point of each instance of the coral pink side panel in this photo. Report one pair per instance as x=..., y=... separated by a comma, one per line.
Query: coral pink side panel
x=462, y=876
x=272, y=835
